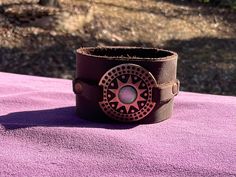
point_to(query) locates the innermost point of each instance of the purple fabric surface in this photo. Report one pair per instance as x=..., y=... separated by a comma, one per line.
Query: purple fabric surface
x=40, y=135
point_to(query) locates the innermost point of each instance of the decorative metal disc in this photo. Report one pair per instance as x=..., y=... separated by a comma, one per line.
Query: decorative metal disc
x=127, y=92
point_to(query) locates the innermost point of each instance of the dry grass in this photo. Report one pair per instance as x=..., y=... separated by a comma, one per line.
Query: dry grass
x=204, y=37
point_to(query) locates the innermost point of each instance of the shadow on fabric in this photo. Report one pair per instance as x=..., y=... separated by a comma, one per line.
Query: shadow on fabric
x=59, y=117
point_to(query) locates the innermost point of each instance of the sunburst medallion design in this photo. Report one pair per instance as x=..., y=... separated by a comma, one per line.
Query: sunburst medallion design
x=127, y=92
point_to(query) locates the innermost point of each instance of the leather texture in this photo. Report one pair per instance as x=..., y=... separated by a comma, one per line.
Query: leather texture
x=93, y=62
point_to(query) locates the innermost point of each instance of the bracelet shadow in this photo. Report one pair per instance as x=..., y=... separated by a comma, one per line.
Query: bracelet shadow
x=58, y=117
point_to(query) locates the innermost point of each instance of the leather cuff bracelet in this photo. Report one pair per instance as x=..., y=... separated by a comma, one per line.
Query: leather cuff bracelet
x=126, y=84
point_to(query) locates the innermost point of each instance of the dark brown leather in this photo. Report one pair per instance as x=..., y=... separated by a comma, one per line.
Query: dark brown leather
x=93, y=62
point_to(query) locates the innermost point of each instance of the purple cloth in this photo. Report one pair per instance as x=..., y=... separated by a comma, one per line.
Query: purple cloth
x=40, y=135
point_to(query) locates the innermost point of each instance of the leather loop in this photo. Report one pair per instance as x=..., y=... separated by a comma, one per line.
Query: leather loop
x=165, y=92
x=88, y=91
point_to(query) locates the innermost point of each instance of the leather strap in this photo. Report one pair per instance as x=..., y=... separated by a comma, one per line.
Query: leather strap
x=162, y=93
x=93, y=62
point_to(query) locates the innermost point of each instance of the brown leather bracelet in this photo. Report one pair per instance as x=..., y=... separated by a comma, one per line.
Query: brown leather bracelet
x=125, y=84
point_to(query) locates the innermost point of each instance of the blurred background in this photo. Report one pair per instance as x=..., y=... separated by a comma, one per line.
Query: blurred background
x=40, y=37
